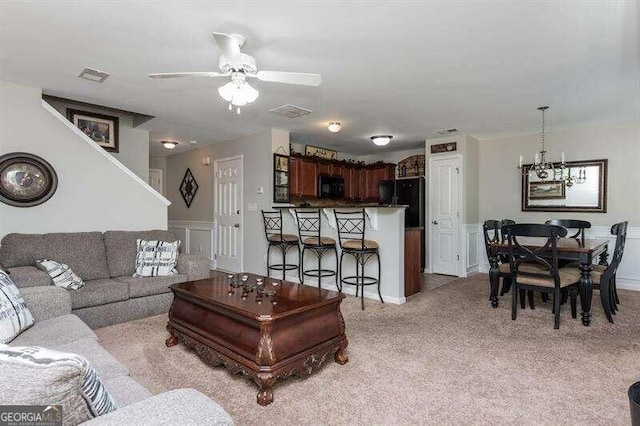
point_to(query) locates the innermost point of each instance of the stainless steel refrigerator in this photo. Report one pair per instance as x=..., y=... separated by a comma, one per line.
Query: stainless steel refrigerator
x=410, y=192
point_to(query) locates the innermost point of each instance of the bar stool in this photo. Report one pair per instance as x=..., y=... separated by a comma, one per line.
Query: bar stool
x=309, y=225
x=275, y=238
x=351, y=235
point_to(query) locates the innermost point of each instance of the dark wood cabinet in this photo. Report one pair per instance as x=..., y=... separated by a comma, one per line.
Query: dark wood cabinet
x=412, y=260
x=360, y=181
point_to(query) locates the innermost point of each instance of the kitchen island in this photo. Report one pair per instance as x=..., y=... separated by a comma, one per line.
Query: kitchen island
x=385, y=225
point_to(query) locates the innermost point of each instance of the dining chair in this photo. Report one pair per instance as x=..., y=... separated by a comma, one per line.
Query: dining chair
x=604, y=277
x=536, y=269
x=492, y=231
x=578, y=225
x=504, y=223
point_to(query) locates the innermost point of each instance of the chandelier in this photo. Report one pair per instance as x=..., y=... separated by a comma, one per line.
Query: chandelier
x=238, y=92
x=546, y=170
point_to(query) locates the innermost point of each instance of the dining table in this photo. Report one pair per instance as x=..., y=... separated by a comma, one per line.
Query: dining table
x=580, y=250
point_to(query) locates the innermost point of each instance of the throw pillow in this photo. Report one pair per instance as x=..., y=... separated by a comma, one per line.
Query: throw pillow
x=35, y=375
x=14, y=314
x=61, y=274
x=156, y=258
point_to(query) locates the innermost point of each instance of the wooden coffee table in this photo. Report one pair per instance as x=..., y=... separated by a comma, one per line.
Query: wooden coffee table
x=292, y=332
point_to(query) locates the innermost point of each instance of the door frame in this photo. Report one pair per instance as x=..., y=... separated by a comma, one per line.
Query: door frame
x=460, y=158
x=215, y=201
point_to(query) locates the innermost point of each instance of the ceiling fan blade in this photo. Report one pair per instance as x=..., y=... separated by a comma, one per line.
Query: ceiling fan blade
x=300, y=78
x=186, y=74
x=230, y=49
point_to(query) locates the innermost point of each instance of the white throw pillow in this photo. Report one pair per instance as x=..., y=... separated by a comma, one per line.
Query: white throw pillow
x=156, y=258
x=14, y=314
x=61, y=274
x=35, y=375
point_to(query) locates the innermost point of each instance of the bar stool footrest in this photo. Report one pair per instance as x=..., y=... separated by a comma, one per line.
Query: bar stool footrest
x=287, y=267
x=353, y=280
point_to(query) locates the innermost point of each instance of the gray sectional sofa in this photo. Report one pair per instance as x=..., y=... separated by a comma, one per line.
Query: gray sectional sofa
x=106, y=262
x=57, y=328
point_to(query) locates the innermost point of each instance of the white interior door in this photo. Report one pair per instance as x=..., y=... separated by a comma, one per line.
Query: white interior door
x=444, y=215
x=227, y=199
x=155, y=179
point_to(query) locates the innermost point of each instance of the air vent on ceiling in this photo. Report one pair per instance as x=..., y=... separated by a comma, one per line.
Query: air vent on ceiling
x=93, y=74
x=447, y=131
x=290, y=111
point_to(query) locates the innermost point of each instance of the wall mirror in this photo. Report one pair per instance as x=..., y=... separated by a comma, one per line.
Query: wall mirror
x=580, y=187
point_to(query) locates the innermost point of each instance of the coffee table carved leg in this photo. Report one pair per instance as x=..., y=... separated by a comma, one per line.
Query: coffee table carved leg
x=171, y=341
x=265, y=381
x=341, y=357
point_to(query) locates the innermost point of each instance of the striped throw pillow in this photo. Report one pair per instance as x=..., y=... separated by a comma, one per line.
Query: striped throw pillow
x=61, y=274
x=156, y=258
x=15, y=317
x=36, y=375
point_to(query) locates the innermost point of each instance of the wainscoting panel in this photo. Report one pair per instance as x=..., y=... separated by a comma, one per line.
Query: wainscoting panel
x=628, y=272
x=197, y=237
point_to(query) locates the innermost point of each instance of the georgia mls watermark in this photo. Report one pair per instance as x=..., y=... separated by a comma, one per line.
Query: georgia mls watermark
x=30, y=415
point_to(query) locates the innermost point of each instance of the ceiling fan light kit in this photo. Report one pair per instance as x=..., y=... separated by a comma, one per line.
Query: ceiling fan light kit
x=381, y=140
x=334, y=126
x=239, y=66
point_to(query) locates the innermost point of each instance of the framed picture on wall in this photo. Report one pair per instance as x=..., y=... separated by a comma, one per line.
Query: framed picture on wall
x=280, y=178
x=100, y=128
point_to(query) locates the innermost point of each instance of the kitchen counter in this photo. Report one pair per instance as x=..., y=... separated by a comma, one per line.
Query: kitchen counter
x=385, y=224
x=345, y=206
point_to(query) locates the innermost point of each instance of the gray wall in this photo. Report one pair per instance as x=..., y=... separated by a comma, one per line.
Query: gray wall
x=257, y=169
x=94, y=193
x=618, y=142
x=133, y=143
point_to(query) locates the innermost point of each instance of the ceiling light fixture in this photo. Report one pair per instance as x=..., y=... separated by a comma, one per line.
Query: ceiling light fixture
x=169, y=144
x=238, y=92
x=381, y=140
x=334, y=126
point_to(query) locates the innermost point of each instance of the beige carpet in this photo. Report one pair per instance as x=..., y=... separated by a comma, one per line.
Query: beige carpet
x=444, y=357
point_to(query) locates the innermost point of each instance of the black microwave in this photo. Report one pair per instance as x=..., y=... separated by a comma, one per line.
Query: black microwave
x=330, y=187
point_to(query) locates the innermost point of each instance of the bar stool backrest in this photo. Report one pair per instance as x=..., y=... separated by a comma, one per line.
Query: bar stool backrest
x=272, y=224
x=580, y=225
x=309, y=223
x=620, y=231
x=351, y=226
x=491, y=231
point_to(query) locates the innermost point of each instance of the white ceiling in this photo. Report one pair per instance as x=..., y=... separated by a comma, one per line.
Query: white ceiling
x=400, y=68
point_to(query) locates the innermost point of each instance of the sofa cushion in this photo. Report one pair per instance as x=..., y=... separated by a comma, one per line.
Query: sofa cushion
x=98, y=292
x=83, y=251
x=104, y=363
x=125, y=390
x=15, y=317
x=140, y=287
x=55, y=332
x=29, y=276
x=121, y=248
x=37, y=375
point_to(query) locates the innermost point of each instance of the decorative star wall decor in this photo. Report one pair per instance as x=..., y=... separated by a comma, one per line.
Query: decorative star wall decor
x=188, y=188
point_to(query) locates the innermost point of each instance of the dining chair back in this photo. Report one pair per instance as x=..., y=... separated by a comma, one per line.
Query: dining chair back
x=578, y=225
x=505, y=223
x=608, y=291
x=491, y=231
x=535, y=266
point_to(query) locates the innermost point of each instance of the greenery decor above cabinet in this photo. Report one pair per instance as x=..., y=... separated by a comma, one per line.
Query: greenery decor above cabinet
x=360, y=180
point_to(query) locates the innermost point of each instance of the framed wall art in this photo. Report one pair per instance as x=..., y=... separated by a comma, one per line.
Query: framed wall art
x=280, y=178
x=188, y=188
x=102, y=129
x=316, y=151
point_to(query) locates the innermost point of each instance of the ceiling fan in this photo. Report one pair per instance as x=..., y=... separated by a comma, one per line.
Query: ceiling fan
x=237, y=65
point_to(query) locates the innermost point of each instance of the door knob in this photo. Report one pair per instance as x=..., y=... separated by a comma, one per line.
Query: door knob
x=238, y=211
x=237, y=225
x=435, y=222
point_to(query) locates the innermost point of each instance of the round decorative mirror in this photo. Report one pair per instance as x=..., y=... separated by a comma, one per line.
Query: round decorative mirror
x=26, y=180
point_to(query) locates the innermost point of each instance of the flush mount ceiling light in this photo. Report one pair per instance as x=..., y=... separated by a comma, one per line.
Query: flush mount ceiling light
x=381, y=140
x=169, y=144
x=334, y=126
x=238, y=92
